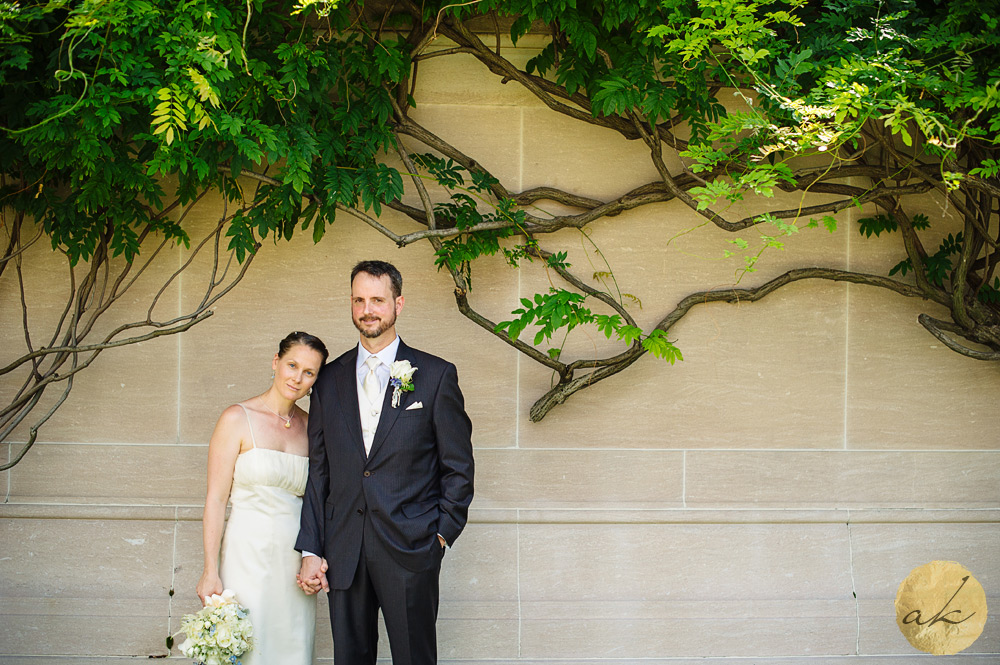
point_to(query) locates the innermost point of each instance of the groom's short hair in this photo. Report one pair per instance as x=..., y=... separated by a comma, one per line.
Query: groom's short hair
x=377, y=269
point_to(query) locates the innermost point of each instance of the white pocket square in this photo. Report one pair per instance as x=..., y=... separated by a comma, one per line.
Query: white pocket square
x=414, y=406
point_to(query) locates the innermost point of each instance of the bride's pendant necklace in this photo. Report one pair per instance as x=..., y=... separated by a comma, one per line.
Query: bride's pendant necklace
x=288, y=420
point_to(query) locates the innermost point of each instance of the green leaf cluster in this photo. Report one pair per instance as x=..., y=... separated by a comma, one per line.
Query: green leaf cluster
x=105, y=102
x=600, y=51
x=561, y=311
x=819, y=71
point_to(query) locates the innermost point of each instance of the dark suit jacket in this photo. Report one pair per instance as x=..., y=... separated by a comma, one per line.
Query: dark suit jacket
x=416, y=482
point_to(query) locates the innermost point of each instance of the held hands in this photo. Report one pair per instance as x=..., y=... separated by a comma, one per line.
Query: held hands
x=312, y=575
x=209, y=584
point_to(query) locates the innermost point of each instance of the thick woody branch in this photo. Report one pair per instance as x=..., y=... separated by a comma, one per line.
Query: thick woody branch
x=920, y=170
x=33, y=430
x=427, y=55
x=589, y=290
x=427, y=234
x=937, y=328
x=566, y=388
x=11, y=423
x=530, y=196
x=833, y=206
x=975, y=182
x=549, y=92
x=532, y=224
x=425, y=198
x=95, y=350
x=462, y=300
x=635, y=199
x=15, y=241
x=88, y=301
x=806, y=179
x=579, y=284
x=163, y=328
x=253, y=175
x=410, y=128
x=914, y=251
x=656, y=153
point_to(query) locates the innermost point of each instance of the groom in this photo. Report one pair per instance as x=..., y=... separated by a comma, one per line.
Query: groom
x=390, y=481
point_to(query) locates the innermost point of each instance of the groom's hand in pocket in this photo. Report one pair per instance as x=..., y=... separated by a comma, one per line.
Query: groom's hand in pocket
x=312, y=575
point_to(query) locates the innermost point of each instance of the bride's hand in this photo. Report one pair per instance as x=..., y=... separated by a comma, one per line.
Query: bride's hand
x=312, y=575
x=209, y=584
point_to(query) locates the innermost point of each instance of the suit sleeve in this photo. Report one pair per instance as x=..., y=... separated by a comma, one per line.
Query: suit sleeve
x=312, y=523
x=453, y=430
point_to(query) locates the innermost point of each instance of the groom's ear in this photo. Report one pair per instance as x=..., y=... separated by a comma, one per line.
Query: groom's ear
x=399, y=304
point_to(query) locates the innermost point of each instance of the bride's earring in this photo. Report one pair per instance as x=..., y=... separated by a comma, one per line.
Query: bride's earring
x=272, y=375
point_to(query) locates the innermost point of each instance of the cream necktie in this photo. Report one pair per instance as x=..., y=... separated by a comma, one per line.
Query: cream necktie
x=371, y=385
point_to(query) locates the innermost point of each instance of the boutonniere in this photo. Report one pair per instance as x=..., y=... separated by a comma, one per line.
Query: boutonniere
x=401, y=379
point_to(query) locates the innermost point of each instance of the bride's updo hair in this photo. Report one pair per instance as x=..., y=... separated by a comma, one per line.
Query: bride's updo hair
x=304, y=338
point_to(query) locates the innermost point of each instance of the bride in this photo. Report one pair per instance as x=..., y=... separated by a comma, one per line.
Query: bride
x=258, y=459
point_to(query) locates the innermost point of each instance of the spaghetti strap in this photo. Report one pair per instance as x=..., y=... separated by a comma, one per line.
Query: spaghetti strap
x=253, y=439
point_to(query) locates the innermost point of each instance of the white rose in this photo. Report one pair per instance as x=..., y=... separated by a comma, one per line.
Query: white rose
x=402, y=370
x=223, y=636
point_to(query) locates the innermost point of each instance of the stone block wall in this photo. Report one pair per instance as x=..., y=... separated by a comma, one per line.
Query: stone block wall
x=758, y=502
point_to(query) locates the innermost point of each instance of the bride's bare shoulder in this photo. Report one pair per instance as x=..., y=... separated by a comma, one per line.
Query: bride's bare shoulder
x=232, y=419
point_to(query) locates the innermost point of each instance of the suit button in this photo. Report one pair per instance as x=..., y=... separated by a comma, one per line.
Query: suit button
x=367, y=473
x=361, y=511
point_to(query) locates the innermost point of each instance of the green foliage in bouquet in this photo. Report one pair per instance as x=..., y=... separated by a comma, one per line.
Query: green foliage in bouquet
x=219, y=633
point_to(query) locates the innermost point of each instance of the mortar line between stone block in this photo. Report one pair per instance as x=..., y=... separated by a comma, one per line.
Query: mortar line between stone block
x=517, y=567
x=517, y=360
x=684, y=479
x=517, y=383
x=173, y=575
x=854, y=588
x=847, y=324
x=838, y=449
x=180, y=307
x=520, y=151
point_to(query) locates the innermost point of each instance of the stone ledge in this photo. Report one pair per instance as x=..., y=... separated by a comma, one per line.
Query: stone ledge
x=551, y=515
x=901, y=659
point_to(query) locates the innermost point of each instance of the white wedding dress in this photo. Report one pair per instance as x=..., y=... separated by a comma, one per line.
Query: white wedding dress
x=259, y=560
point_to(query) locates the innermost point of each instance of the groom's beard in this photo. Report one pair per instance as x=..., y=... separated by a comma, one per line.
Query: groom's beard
x=377, y=331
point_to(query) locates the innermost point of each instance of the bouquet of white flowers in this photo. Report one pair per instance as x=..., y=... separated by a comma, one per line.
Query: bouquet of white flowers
x=219, y=633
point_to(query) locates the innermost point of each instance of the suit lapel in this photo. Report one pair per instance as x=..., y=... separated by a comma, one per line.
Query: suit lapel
x=389, y=414
x=347, y=388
